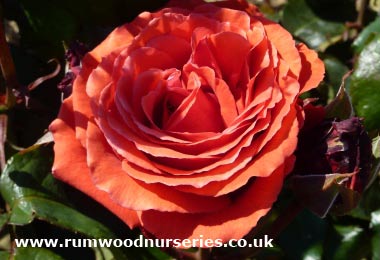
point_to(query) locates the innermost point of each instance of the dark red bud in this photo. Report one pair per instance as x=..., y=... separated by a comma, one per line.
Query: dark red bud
x=332, y=166
x=349, y=151
x=335, y=147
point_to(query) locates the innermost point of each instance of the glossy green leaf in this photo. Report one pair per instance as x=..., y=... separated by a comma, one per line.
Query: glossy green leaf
x=335, y=70
x=22, y=185
x=300, y=20
x=103, y=253
x=25, y=175
x=370, y=202
x=376, y=147
x=375, y=226
x=375, y=171
x=26, y=209
x=314, y=252
x=365, y=84
x=369, y=32
x=35, y=253
x=347, y=242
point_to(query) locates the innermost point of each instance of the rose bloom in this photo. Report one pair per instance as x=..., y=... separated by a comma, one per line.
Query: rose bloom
x=184, y=122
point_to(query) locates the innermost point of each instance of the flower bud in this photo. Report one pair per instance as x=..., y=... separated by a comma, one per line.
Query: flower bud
x=333, y=166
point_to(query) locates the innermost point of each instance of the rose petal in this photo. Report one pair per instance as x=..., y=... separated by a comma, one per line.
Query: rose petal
x=181, y=52
x=232, y=222
x=272, y=155
x=240, y=19
x=115, y=42
x=70, y=164
x=283, y=41
x=199, y=112
x=313, y=69
x=108, y=176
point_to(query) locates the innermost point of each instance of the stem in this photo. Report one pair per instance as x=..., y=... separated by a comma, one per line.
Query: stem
x=3, y=138
x=13, y=244
x=358, y=24
x=7, y=66
x=8, y=71
x=361, y=11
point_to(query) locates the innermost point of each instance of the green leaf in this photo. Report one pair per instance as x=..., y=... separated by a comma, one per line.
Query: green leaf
x=4, y=255
x=300, y=20
x=35, y=253
x=22, y=185
x=314, y=252
x=28, y=173
x=375, y=226
x=103, y=253
x=375, y=171
x=376, y=147
x=347, y=242
x=369, y=32
x=369, y=202
x=365, y=84
x=335, y=70
x=24, y=210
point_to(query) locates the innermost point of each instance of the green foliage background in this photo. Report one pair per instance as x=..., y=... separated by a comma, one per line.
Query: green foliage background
x=35, y=205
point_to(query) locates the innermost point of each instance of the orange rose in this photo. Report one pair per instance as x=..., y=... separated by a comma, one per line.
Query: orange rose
x=184, y=121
